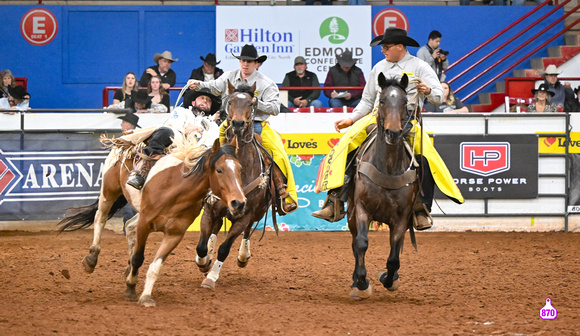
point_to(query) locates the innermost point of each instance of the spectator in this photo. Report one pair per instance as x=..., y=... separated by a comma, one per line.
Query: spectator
x=18, y=98
x=577, y=101
x=162, y=69
x=129, y=122
x=433, y=55
x=141, y=102
x=357, y=2
x=125, y=94
x=563, y=94
x=542, y=104
x=450, y=103
x=323, y=2
x=302, y=77
x=159, y=97
x=7, y=81
x=344, y=73
x=208, y=70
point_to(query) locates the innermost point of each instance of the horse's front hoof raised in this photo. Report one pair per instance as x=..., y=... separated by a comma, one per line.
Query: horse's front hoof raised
x=242, y=264
x=130, y=293
x=89, y=263
x=358, y=294
x=208, y=283
x=146, y=301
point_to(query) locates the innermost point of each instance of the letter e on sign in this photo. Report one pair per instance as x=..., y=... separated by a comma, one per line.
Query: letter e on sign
x=38, y=26
x=389, y=18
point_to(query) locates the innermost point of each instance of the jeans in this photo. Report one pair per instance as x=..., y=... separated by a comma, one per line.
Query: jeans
x=339, y=102
x=315, y=103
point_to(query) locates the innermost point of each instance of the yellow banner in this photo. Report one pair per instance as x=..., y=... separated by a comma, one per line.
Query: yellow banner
x=313, y=143
x=558, y=144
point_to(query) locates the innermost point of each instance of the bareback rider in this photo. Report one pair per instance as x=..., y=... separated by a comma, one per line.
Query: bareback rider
x=182, y=122
x=267, y=104
x=397, y=62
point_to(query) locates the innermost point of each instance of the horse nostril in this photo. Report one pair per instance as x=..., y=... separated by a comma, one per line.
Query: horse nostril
x=237, y=205
x=238, y=125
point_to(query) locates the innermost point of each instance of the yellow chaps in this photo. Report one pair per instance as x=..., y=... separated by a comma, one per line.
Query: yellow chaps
x=332, y=169
x=272, y=141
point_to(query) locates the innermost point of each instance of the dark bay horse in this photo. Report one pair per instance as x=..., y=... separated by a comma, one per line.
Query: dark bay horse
x=385, y=186
x=257, y=175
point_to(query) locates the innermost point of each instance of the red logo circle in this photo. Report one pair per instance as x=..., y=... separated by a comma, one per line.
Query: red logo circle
x=38, y=26
x=389, y=18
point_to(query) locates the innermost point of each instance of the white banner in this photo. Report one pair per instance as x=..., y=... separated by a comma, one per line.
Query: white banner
x=318, y=33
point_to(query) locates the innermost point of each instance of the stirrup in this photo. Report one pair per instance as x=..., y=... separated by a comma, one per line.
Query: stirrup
x=332, y=209
x=136, y=181
x=422, y=219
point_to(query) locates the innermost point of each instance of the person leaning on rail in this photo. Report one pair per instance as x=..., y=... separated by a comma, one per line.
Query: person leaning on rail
x=208, y=70
x=161, y=69
x=397, y=62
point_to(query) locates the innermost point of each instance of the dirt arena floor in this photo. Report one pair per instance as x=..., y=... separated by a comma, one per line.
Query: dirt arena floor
x=296, y=284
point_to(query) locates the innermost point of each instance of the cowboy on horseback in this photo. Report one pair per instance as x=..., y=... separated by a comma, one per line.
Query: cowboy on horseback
x=397, y=62
x=267, y=104
x=183, y=121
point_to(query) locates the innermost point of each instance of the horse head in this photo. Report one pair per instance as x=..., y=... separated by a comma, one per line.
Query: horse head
x=241, y=106
x=225, y=178
x=392, y=108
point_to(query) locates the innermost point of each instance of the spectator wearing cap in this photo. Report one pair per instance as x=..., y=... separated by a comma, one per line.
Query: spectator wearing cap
x=129, y=122
x=563, y=94
x=302, y=77
x=433, y=55
x=344, y=73
x=18, y=98
x=542, y=94
x=162, y=69
x=208, y=70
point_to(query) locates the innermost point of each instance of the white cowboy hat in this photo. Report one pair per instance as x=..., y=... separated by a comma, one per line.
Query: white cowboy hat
x=550, y=70
x=166, y=54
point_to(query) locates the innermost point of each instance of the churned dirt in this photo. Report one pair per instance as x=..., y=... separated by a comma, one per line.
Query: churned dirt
x=296, y=284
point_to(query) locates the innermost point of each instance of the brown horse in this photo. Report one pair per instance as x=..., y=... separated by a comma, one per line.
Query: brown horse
x=385, y=186
x=172, y=199
x=257, y=175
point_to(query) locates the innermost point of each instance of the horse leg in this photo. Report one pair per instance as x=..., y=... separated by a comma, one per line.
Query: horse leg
x=244, y=253
x=131, y=232
x=359, y=226
x=90, y=260
x=223, y=252
x=206, y=245
x=390, y=278
x=136, y=259
x=168, y=244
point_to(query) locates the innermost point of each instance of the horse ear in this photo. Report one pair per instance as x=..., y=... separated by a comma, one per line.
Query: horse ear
x=231, y=88
x=404, y=81
x=253, y=87
x=382, y=80
x=216, y=146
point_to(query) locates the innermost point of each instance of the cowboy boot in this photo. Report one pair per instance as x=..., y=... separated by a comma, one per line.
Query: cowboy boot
x=332, y=209
x=285, y=207
x=139, y=174
x=422, y=219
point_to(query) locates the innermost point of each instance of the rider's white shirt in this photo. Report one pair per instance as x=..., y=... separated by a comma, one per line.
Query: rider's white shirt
x=179, y=119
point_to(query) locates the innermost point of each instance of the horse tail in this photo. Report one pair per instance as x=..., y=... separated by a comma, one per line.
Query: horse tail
x=84, y=216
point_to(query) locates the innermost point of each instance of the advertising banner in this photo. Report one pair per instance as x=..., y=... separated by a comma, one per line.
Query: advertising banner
x=492, y=166
x=277, y=34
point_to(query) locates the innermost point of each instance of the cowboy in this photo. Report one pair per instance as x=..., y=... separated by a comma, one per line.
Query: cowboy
x=162, y=69
x=302, y=77
x=18, y=98
x=397, y=62
x=208, y=70
x=344, y=73
x=267, y=105
x=129, y=122
x=183, y=122
x=141, y=102
x=563, y=94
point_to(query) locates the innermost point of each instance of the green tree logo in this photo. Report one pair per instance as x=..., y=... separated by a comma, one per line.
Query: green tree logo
x=335, y=29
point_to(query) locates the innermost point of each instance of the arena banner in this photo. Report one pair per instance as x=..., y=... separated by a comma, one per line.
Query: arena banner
x=308, y=144
x=41, y=175
x=552, y=145
x=328, y=31
x=492, y=166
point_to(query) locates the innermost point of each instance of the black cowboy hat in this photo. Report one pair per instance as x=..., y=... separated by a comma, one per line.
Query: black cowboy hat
x=249, y=52
x=210, y=59
x=543, y=87
x=190, y=96
x=576, y=90
x=141, y=97
x=345, y=59
x=18, y=92
x=131, y=118
x=394, y=35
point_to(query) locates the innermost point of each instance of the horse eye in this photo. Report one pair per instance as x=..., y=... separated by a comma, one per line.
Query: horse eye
x=219, y=171
x=381, y=101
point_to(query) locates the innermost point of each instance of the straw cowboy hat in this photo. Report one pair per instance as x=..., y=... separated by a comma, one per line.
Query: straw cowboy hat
x=394, y=35
x=250, y=53
x=210, y=59
x=167, y=55
x=131, y=118
x=550, y=70
x=345, y=59
x=191, y=95
x=544, y=88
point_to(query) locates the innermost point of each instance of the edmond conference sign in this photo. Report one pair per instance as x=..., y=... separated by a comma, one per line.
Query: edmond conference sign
x=492, y=166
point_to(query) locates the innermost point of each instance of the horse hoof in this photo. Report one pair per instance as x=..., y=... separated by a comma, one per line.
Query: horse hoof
x=89, y=264
x=358, y=294
x=395, y=286
x=204, y=268
x=208, y=283
x=242, y=264
x=146, y=301
x=383, y=280
x=130, y=293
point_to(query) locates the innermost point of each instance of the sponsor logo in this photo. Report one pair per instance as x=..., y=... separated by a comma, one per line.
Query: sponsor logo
x=38, y=26
x=388, y=18
x=334, y=29
x=484, y=158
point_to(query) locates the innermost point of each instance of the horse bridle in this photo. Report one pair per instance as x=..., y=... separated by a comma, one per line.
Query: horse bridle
x=248, y=123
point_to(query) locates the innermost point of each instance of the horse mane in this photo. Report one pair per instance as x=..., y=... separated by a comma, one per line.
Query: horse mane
x=188, y=151
x=196, y=165
x=244, y=88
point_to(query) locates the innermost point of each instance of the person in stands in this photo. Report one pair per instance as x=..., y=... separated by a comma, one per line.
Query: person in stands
x=141, y=102
x=450, y=103
x=159, y=97
x=302, y=77
x=208, y=70
x=162, y=69
x=563, y=94
x=18, y=99
x=125, y=94
x=542, y=104
x=344, y=73
x=7, y=81
x=433, y=55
